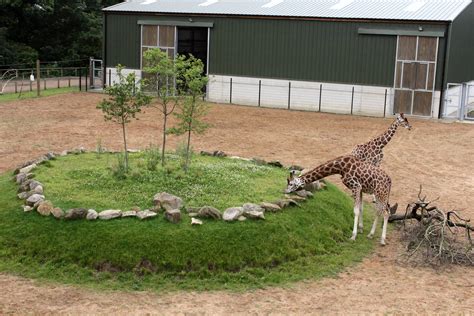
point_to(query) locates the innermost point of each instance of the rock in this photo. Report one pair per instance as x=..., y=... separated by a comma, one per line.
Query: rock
x=240, y=158
x=206, y=153
x=193, y=214
x=270, y=207
x=135, y=208
x=38, y=189
x=241, y=218
x=23, y=195
x=174, y=216
x=25, y=186
x=33, y=199
x=45, y=208
x=254, y=214
x=192, y=209
x=167, y=201
x=295, y=197
x=27, y=208
x=57, y=212
x=64, y=153
x=129, y=214
x=50, y=155
x=315, y=186
x=275, y=163
x=219, y=153
x=287, y=202
x=110, y=214
x=27, y=169
x=209, y=212
x=295, y=167
x=133, y=151
x=23, y=165
x=304, y=193
x=19, y=178
x=232, y=213
x=92, y=215
x=76, y=213
x=33, y=184
x=195, y=221
x=41, y=159
x=146, y=214
x=248, y=207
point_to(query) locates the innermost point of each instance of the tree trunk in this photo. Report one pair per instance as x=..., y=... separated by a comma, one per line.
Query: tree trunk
x=164, y=140
x=125, y=146
x=190, y=127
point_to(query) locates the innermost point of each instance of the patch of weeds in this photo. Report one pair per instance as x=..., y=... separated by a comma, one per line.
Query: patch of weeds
x=119, y=169
x=181, y=153
x=152, y=157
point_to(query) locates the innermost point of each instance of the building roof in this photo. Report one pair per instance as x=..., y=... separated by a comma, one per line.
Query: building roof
x=416, y=10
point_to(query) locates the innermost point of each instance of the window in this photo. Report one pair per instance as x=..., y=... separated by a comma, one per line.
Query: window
x=158, y=36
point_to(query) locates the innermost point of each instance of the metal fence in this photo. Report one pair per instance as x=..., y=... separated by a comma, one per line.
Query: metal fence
x=459, y=101
x=298, y=95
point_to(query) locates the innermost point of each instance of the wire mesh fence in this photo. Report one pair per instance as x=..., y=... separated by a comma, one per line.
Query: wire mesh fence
x=299, y=95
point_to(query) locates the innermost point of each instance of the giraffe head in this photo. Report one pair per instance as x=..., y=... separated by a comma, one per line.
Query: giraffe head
x=294, y=183
x=402, y=121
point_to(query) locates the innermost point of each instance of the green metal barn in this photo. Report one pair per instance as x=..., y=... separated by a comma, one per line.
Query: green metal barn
x=344, y=56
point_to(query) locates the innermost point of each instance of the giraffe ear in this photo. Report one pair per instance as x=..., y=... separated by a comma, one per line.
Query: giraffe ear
x=402, y=115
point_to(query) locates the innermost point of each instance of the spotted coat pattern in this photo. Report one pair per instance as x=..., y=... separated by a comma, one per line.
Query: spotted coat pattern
x=372, y=151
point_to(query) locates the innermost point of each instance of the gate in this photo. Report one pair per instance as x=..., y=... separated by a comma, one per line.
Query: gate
x=95, y=66
x=459, y=101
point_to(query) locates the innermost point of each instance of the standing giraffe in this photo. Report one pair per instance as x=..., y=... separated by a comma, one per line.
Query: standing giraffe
x=372, y=151
x=360, y=177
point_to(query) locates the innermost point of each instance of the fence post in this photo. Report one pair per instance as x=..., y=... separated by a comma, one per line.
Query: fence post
x=230, y=101
x=87, y=71
x=16, y=87
x=259, y=91
x=44, y=81
x=69, y=82
x=38, y=77
x=385, y=104
x=58, y=83
x=110, y=77
x=80, y=80
x=289, y=94
x=352, y=100
x=320, y=95
x=31, y=86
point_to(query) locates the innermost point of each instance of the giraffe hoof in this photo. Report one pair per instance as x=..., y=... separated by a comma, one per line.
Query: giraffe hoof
x=370, y=236
x=353, y=238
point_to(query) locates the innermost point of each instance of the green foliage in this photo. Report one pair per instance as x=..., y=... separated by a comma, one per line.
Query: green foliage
x=160, y=73
x=126, y=100
x=191, y=81
x=119, y=168
x=28, y=95
x=152, y=157
x=292, y=245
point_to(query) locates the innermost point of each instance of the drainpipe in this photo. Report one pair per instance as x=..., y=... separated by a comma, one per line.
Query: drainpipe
x=104, y=50
x=444, y=84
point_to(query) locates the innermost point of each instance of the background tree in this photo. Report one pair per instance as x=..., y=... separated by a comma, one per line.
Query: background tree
x=191, y=81
x=126, y=100
x=160, y=72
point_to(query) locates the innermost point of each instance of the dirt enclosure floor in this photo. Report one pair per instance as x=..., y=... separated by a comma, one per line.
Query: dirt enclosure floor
x=440, y=156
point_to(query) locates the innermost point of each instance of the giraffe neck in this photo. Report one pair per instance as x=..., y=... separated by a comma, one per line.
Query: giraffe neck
x=335, y=166
x=383, y=139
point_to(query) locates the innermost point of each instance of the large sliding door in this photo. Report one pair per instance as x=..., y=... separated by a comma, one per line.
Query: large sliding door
x=415, y=73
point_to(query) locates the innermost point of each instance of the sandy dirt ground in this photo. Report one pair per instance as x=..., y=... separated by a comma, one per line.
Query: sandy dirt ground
x=435, y=154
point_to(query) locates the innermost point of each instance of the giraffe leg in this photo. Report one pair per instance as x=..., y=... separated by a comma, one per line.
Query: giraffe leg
x=384, y=229
x=357, y=194
x=374, y=225
x=361, y=215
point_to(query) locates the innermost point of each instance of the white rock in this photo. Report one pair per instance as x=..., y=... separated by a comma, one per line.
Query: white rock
x=195, y=221
x=57, y=212
x=129, y=214
x=91, y=215
x=110, y=214
x=254, y=214
x=28, y=168
x=38, y=189
x=35, y=198
x=242, y=218
x=232, y=213
x=167, y=201
x=27, y=208
x=146, y=214
x=64, y=153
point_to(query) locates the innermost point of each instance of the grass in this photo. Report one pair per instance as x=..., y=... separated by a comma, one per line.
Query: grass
x=32, y=94
x=296, y=244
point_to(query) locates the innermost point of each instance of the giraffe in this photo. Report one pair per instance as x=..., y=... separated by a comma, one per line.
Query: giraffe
x=360, y=177
x=372, y=150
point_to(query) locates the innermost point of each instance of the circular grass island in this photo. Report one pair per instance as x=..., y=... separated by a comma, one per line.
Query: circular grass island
x=296, y=243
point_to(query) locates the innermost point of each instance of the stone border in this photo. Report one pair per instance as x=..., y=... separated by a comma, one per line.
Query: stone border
x=32, y=191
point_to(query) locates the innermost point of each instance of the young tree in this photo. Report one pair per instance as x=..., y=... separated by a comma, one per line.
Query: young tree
x=125, y=101
x=191, y=81
x=161, y=74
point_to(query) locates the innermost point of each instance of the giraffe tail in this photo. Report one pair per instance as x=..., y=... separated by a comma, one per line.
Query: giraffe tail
x=392, y=209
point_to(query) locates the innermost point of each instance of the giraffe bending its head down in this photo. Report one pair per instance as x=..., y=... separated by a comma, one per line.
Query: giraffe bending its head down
x=360, y=177
x=372, y=150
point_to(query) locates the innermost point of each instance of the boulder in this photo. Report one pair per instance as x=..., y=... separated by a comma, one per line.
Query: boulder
x=76, y=213
x=50, y=155
x=27, y=208
x=145, y=214
x=34, y=183
x=19, y=178
x=167, y=201
x=192, y=214
x=24, y=186
x=129, y=214
x=92, y=215
x=27, y=169
x=23, y=195
x=57, y=212
x=45, y=208
x=195, y=221
x=174, y=216
x=219, y=153
x=249, y=207
x=33, y=199
x=192, y=209
x=315, y=186
x=110, y=214
x=286, y=202
x=254, y=214
x=206, y=153
x=241, y=218
x=270, y=207
x=23, y=165
x=304, y=194
x=209, y=212
x=295, y=197
x=38, y=189
x=232, y=213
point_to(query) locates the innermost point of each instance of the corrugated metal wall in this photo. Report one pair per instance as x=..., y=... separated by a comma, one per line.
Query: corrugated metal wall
x=325, y=51
x=461, y=52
